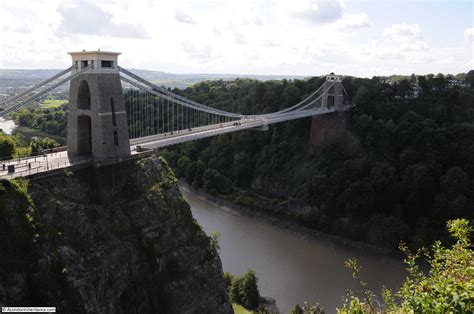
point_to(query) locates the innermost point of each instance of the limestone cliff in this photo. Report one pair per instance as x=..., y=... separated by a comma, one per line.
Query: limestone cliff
x=118, y=239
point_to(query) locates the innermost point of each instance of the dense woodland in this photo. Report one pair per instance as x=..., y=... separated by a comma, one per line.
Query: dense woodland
x=405, y=167
x=403, y=170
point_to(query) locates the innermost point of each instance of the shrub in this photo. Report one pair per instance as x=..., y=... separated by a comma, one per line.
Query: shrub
x=447, y=288
x=228, y=281
x=244, y=290
x=7, y=146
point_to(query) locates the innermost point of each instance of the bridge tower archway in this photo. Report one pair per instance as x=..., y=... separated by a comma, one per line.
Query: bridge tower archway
x=83, y=96
x=84, y=135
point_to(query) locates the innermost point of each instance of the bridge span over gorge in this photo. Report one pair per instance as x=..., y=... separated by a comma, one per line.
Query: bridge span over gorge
x=113, y=114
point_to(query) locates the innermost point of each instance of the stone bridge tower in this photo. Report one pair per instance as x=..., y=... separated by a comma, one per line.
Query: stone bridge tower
x=329, y=127
x=97, y=120
x=333, y=95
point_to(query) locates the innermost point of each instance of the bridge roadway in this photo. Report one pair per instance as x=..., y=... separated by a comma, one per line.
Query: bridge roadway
x=56, y=160
x=249, y=122
x=30, y=165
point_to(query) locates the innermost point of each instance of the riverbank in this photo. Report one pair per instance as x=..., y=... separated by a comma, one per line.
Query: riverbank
x=305, y=233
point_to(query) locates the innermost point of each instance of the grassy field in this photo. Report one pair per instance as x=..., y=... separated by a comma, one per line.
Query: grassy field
x=53, y=103
x=239, y=309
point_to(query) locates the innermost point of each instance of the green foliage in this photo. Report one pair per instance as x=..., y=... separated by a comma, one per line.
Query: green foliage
x=228, y=278
x=183, y=163
x=51, y=118
x=409, y=162
x=244, y=290
x=169, y=179
x=448, y=287
x=39, y=144
x=307, y=309
x=239, y=309
x=17, y=221
x=7, y=146
x=387, y=230
x=215, y=235
x=214, y=181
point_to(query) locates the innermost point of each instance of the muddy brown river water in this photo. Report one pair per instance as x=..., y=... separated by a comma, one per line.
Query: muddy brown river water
x=290, y=268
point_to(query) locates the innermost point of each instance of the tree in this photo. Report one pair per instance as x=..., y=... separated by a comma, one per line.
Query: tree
x=214, y=182
x=41, y=143
x=454, y=182
x=291, y=95
x=362, y=96
x=439, y=82
x=270, y=102
x=387, y=231
x=7, y=146
x=447, y=288
x=260, y=90
x=244, y=290
x=182, y=165
x=243, y=167
x=424, y=84
x=404, y=88
x=249, y=290
x=209, y=179
x=228, y=278
x=25, y=118
x=455, y=187
x=470, y=77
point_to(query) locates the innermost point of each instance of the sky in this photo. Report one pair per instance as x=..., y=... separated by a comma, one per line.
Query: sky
x=284, y=37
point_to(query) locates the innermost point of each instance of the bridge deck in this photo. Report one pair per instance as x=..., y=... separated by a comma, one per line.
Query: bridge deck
x=37, y=164
x=176, y=137
x=57, y=160
x=28, y=166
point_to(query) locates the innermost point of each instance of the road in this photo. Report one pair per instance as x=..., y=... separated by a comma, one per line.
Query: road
x=31, y=165
x=167, y=139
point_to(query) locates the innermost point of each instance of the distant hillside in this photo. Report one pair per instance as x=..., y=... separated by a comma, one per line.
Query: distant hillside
x=18, y=78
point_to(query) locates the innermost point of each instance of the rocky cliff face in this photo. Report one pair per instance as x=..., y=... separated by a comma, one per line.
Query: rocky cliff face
x=118, y=239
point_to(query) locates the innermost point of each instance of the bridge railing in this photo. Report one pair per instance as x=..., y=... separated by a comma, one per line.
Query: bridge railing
x=38, y=164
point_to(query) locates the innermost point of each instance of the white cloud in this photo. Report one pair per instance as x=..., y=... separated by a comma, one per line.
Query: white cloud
x=180, y=16
x=403, y=32
x=356, y=20
x=469, y=35
x=82, y=17
x=306, y=37
x=198, y=52
x=400, y=43
x=318, y=11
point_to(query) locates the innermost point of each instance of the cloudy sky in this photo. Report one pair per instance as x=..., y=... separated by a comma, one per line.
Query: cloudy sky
x=305, y=37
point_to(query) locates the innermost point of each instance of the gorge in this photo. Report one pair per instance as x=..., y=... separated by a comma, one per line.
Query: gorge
x=116, y=239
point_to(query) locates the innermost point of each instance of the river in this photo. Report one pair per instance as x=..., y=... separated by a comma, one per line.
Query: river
x=7, y=125
x=290, y=268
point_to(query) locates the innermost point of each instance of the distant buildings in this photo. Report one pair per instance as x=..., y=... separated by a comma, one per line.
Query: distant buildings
x=457, y=83
x=414, y=92
x=410, y=90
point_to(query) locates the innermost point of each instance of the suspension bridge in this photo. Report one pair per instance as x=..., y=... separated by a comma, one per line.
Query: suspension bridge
x=114, y=114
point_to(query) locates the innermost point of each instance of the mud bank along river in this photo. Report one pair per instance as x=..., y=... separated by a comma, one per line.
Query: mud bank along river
x=7, y=126
x=291, y=267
